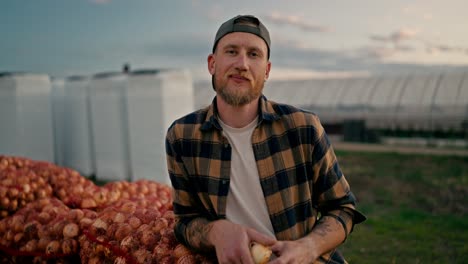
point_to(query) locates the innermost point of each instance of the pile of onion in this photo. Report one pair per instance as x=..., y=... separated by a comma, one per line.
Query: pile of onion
x=52, y=214
x=44, y=229
x=147, y=194
x=131, y=231
x=127, y=233
x=75, y=190
x=20, y=184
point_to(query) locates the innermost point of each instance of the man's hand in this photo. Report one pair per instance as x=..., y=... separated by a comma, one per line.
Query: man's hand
x=325, y=236
x=232, y=241
x=299, y=251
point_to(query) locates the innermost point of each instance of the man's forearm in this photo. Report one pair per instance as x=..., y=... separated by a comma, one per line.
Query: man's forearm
x=330, y=231
x=197, y=232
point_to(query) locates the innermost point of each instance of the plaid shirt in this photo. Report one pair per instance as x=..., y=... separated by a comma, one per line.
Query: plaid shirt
x=299, y=173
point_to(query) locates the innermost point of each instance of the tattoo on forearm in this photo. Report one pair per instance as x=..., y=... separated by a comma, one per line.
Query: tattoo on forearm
x=197, y=234
x=323, y=228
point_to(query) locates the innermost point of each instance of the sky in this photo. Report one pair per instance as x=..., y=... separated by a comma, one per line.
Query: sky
x=309, y=37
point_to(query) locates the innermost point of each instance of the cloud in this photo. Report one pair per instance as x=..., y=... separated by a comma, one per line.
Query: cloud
x=375, y=52
x=404, y=48
x=395, y=45
x=418, y=12
x=379, y=38
x=295, y=21
x=433, y=47
x=100, y=2
x=444, y=48
x=403, y=34
x=427, y=16
x=396, y=37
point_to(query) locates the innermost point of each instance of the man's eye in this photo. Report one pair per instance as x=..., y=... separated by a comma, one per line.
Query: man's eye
x=254, y=54
x=230, y=51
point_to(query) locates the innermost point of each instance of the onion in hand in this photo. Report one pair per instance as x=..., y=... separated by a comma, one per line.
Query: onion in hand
x=260, y=253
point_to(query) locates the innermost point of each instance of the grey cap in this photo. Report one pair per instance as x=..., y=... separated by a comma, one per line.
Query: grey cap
x=238, y=24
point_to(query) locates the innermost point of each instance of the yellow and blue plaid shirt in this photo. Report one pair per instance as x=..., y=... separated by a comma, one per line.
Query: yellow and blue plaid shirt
x=299, y=172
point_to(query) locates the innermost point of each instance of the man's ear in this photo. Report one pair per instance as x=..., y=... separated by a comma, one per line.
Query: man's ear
x=267, y=71
x=211, y=63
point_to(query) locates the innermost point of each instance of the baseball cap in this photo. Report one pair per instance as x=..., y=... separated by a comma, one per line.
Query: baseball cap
x=243, y=23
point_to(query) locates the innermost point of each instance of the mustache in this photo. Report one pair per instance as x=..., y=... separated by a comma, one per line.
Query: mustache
x=240, y=74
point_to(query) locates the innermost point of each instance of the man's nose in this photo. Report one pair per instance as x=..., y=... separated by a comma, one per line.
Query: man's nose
x=241, y=62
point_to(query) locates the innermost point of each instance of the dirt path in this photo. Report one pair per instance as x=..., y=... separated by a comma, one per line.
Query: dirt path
x=398, y=149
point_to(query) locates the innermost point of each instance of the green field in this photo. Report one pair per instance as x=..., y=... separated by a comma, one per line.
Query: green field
x=417, y=208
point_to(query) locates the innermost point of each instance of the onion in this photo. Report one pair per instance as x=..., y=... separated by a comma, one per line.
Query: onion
x=69, y=246
x=4, y=202
x=26, y=188
x=85, y=223
x=142, y=256
x=187, y=259
x=17, y=238
x=3, y=214
x=42, y=243
x=162, y=250
x=31, y=246
x=94, y=260
x=128, y=208
x=119, y=218
x=70, y=230
x=129, y=244
x=57, y=228
x=260, y=253
x=43, y=217
x=13, y=205
x=3, y=226
x=76, y=214
x=17, y=223
x=134, y=222
x=31, y=228
x=88, y=203
x=120, y=260
x=149, y=239
x=53, y=247
x=180, y=250
x=99, y=224
x=122, y=231
x=13, y=192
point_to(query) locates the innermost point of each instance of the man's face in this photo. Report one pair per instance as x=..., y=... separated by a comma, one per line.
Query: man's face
x=239, y=67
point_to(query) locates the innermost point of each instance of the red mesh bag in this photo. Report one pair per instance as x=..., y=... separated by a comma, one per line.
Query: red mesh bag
x=44, y=230
x=131, y=231
x=146, y=193
x=20, y=184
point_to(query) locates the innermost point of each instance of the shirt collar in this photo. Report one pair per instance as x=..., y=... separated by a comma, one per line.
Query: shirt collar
x=266, y=113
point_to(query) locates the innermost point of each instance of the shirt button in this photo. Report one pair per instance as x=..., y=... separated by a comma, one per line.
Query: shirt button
x=223, y=182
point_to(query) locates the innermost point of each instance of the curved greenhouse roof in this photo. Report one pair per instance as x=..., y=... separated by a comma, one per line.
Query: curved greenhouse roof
x=413, y=101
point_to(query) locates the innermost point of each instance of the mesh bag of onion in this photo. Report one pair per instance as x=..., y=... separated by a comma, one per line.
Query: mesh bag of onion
x=127, y=232
x=43, y=230
x=20, y=184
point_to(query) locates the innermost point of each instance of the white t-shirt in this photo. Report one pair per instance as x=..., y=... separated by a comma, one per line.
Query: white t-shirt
x=245, y=202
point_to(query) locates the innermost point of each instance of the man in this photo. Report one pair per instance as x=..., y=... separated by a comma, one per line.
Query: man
x=246, y=169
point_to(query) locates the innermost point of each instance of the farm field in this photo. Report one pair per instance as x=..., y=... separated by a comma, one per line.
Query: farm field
x=416, y=204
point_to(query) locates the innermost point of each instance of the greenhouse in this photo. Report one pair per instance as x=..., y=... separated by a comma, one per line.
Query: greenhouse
x=425, y=104
x=113, y=125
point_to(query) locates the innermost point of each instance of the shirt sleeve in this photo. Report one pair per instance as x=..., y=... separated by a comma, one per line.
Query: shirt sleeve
x=332, y=192
x=184, y=203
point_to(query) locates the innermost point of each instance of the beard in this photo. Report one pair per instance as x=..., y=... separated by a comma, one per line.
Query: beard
x=236, y=97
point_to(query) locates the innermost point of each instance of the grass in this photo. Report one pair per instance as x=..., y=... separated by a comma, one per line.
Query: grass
x=416, y=205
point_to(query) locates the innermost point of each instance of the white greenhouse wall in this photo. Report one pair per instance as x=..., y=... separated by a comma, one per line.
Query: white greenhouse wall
x=26, y=116
x=113, y=125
